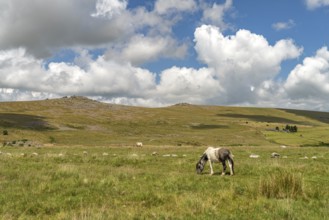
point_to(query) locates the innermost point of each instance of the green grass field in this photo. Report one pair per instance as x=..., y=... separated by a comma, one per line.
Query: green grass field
x=75, y=159
x=131, y=183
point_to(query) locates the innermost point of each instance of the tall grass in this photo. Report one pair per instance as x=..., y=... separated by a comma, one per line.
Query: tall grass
x=282, y=184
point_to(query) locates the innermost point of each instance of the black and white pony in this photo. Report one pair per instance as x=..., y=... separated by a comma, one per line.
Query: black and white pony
x=219, y=155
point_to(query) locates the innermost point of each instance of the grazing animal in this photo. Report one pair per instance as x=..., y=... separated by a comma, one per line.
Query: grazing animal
x=219, y=155
x=139, y=144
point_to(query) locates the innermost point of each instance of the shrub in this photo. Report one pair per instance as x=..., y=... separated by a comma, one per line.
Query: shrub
x=282, y=184
x=5, y=132
x=52, y=139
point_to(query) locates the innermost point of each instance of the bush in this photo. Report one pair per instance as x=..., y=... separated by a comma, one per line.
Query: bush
x=5, y=132
x=282, y=184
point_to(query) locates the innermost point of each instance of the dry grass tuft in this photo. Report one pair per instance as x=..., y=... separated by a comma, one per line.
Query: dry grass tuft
x=282, y=184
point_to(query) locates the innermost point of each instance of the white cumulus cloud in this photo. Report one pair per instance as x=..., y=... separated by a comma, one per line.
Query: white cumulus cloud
x=45, y=27
x=165, y=6
x=142, y=49
x=109, y=8
x=284, y=25
x=310, y=80
x=98, y=77
x=313, y=4
x=214, y=14
x=243, y=62
x=17, y=68
x=188, y=85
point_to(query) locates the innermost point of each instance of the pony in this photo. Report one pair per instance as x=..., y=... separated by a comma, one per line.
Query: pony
x=219, y=155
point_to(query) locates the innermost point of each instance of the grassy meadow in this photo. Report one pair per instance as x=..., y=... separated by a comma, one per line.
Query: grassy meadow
x=74, y=158
x=131, y=183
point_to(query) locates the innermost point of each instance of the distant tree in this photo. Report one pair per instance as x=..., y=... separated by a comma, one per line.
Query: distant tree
x=277, y=128
x=5, y=132
x=287, y=128
x=295, y=128
x=290, y=128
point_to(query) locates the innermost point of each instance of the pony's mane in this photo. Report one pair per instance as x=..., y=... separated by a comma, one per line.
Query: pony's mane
x=204, y=157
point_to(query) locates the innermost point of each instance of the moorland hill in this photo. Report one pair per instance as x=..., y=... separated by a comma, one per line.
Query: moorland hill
x=81, y=121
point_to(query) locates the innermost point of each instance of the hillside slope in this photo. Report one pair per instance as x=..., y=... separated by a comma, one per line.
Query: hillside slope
x=81, y=121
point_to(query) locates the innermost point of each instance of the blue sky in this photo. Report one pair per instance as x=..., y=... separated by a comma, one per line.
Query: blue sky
x=161, y=52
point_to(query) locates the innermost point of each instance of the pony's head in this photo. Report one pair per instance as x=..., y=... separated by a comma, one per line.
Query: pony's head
x=201, y=163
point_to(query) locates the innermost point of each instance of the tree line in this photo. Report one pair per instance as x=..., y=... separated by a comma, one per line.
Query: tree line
x=288, y=128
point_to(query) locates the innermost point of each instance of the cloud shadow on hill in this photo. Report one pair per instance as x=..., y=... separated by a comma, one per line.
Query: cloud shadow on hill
x=262, y=118
x=315, y=115
x=23, y=121
x=208, y=126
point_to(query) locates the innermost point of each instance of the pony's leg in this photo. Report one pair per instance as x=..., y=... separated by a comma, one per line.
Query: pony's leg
x=231, y=165
x=224, y=168
x=211, y=170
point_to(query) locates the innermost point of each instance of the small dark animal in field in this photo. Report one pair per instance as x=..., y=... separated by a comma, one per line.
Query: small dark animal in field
x=218, y=155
